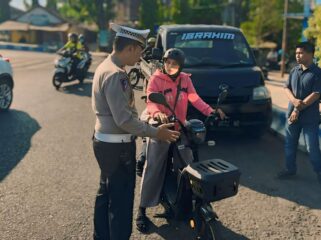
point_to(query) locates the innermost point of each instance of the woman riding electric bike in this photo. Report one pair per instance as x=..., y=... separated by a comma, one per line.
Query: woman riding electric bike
x=178, y=90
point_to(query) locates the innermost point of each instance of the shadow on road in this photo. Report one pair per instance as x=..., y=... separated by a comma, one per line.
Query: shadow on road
x=16, y=131
x=83, y=89
x=179, y=230
x=260, y=160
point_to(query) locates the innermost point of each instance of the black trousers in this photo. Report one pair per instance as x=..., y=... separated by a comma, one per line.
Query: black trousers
x=113, y=213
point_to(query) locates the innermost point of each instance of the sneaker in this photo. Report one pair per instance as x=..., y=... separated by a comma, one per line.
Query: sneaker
x=286, y=174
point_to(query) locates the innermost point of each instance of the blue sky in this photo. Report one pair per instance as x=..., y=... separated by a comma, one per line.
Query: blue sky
x=19, y=3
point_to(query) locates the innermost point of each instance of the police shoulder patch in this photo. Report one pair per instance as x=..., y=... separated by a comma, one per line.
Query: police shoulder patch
x=124, y=83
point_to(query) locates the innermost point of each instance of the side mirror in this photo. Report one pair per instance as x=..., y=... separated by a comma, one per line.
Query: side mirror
x=157, y=54
x=159, y=99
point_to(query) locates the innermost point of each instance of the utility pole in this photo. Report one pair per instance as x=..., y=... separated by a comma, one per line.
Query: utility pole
x=284, y=37
x=102, y=25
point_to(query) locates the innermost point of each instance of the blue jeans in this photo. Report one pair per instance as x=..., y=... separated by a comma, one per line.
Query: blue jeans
x=311, y=136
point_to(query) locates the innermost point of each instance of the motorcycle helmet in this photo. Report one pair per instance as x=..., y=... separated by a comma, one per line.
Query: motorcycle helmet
x=177, y=55
x=81, y=38
x=196, y=131
x=73, y=37
x=151, y=41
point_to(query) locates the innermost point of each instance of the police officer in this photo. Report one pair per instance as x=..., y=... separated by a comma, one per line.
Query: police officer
x=116, y=126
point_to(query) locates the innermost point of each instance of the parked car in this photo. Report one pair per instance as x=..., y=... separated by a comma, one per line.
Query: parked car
x=6, y=84
x=219, y=56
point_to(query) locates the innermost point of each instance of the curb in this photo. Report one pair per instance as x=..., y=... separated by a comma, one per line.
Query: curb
x=40, y=48
x=99, y=54
x=278, y=126
x=35, y=48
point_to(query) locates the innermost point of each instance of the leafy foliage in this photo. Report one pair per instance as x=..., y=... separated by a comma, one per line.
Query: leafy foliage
x=52, y=4
x=265, y=22
x=313, y=32
x=87, y=11
x=149, y=14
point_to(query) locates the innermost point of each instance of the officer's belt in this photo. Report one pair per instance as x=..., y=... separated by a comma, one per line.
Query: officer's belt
x=114, y=138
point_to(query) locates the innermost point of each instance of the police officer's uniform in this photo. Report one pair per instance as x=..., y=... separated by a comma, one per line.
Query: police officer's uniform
x=114, y=146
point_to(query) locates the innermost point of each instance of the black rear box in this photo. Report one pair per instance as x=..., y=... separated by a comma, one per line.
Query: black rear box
x=214, y=179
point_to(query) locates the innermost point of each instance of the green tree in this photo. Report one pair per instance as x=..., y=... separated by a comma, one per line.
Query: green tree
x=52, y=4
x=4, y=10
x=206, y=11
x=313, y=31
x=35, y=3
x=148, y=14
x=87, y=10
x=265, y=18
x=181, y=11
x=265, y=22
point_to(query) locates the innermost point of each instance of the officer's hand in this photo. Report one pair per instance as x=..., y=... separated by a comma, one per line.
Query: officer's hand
x=161, y=117
x=164, y=134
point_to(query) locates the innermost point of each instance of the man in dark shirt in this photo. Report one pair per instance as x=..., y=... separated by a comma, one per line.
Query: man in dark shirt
x=303, y=90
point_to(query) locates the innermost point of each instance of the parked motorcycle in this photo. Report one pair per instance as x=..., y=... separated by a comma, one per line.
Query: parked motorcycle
x=190, y=184
x=64, y=70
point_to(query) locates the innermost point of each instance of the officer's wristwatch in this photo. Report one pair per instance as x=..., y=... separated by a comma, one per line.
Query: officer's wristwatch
x=296, y=110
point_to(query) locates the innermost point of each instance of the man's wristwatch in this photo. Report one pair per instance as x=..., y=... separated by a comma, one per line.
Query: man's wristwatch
x=296, y=110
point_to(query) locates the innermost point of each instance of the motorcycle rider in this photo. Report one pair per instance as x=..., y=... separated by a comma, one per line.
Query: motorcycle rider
x=73, y=47
x=178, y=90
x=84, y=49
x=82, y=45
x=147, y=54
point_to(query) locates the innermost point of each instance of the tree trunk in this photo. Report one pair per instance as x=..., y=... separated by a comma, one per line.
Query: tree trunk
x=4, y=10
x=102, y=23
x=35, y=3
x=52, y=4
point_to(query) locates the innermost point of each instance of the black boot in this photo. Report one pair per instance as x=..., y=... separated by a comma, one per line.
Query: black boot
x=142, y=221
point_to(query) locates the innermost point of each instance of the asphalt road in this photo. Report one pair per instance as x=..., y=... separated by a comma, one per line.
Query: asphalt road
x=49, y=177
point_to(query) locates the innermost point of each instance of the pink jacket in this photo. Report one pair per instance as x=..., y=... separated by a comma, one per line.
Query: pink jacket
x=160, y=82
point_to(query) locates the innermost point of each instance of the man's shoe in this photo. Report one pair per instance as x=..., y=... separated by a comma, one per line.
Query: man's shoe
x=140, y=167
x=286, y=174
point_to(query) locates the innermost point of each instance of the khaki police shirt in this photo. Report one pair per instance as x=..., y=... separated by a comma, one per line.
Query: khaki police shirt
x=113, y=102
